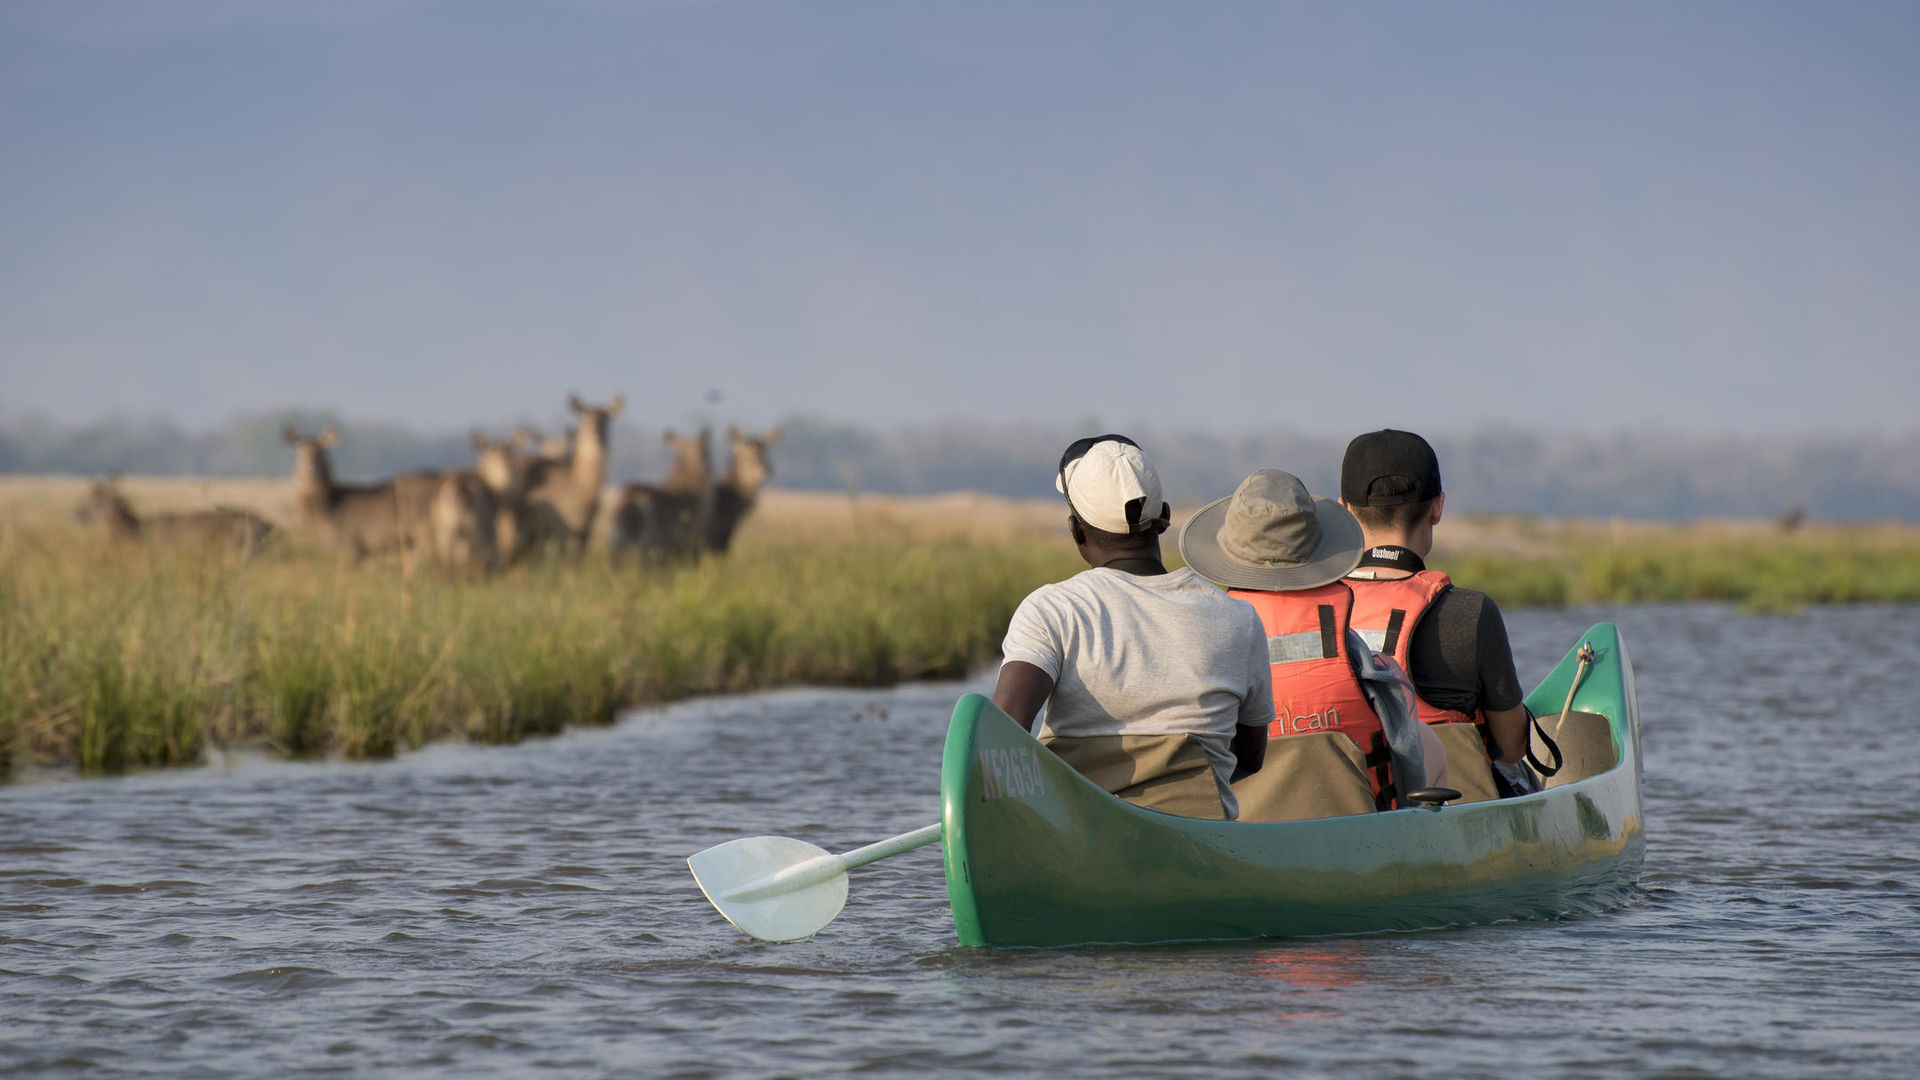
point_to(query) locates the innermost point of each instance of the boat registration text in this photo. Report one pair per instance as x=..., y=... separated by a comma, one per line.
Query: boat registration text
x=1010, y=772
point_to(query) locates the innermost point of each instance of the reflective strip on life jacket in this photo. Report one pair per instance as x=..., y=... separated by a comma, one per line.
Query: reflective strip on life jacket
x=1295, y=648
x=1386, y=641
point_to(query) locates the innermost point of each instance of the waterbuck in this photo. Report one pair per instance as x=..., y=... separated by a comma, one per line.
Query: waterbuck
x=223, y=529
x=507, y=470
x=563, y=495
x=558, y=447
x=443, y=516
x=658, y=522
x=734, y=495
x=461, y=521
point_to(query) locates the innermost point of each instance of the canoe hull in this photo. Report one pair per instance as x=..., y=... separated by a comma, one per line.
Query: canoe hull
x=1036, y=855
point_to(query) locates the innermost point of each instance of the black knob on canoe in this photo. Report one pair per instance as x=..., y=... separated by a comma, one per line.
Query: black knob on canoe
x=1432, y=796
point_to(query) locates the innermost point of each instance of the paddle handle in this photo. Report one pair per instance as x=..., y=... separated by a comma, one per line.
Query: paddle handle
x=892, y=845
x=812, y=871
x=1586, y=657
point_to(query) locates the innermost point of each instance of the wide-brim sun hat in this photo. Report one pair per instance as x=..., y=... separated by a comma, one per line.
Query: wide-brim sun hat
x=1272, y=535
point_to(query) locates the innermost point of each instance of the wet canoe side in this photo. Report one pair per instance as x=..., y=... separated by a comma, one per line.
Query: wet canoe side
x=1036, y=855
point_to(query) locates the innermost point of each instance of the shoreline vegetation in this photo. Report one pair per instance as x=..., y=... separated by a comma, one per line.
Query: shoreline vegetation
x=114, y=656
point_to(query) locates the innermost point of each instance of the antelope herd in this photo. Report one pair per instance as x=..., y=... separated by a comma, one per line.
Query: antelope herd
x=523, y=498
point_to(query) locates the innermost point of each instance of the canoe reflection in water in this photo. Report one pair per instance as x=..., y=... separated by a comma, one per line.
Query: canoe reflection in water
x=1332, y=968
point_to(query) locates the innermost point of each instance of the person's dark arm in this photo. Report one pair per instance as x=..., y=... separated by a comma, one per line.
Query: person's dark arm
x=1509, y=727
x=1022, y=689
x=1256, y=708
x=1249, y=750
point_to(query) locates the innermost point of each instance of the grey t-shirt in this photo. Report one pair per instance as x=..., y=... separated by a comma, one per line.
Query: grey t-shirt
x=1158, y=654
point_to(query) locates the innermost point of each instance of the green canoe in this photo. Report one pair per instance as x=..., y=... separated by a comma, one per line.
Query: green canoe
x=1037, y=855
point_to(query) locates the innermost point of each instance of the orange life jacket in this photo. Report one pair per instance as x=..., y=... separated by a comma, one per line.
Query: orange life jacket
x=1385, y=611
x=1315, y=687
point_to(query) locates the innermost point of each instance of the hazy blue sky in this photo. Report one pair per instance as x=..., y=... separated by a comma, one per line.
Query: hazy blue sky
x=1329, y=216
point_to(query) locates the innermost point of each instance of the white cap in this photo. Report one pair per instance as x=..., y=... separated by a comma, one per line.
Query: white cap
x=1112, y=487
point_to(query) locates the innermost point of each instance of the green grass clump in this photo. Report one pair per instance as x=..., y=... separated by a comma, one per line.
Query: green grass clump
x=134, y=714
x=296, y=689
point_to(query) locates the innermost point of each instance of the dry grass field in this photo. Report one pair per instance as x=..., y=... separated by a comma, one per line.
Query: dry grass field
x=796, y=516
x=808, y=517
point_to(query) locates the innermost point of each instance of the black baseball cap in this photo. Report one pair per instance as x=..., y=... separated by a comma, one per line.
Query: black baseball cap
x=1380, y=454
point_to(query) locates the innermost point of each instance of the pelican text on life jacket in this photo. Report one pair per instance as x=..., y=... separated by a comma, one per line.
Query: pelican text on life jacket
x=1010, y=772
x=1328, y=720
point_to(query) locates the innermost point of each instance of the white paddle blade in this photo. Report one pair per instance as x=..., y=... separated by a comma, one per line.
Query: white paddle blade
x=772, y=887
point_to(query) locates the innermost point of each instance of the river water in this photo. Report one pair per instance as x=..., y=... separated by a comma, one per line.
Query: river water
x=470, y=911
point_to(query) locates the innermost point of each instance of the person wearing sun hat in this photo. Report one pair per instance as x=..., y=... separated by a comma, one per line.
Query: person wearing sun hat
x=1154, y=683
x=1284, y=551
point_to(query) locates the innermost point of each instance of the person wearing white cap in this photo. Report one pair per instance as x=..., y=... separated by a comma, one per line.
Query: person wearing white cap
x=1155, y=683
x=1284, y=551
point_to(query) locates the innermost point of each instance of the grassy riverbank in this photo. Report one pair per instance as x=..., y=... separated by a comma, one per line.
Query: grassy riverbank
x=108, y=661
x=117, y=657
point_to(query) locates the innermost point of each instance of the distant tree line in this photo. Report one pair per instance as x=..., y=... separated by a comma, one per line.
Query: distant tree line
x=1641, y=475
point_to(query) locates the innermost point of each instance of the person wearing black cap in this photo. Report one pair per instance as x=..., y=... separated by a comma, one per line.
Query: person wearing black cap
x=1450, y=639
x=1155, y=683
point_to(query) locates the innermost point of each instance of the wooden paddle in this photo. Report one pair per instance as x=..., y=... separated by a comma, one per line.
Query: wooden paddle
x=1586, y=656
x=779, y=889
